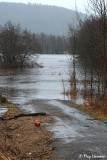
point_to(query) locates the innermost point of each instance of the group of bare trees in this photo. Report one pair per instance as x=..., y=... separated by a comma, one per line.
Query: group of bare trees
x=89, y=41
x=51, y=44
x=16, y=45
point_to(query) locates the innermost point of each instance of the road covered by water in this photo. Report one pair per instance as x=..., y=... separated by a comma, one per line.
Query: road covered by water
x=78, y=135
x=37, y=83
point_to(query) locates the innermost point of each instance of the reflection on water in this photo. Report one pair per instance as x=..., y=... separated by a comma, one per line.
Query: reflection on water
x=22, y=86
x=37, y=83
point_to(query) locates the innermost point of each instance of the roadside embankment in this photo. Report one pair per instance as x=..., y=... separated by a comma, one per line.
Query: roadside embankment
x=21, y=139
x=98, y=112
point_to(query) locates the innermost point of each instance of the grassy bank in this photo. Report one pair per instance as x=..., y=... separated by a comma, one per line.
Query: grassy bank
x=97, y=111
x=12, y=108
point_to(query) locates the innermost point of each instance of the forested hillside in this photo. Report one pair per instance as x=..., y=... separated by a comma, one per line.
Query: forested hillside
x=38, y=18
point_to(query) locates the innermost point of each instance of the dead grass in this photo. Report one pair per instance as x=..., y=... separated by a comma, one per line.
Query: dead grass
x=12, y=110
x=70, y=92
x=20, y=139
x=97, y=111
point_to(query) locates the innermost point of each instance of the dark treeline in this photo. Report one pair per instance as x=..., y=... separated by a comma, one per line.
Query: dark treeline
x=89, y=41
x=16, y=45
x=51, y=44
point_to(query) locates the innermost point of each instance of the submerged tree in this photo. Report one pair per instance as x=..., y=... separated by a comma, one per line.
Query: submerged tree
x=72, y=50
x=16, y=45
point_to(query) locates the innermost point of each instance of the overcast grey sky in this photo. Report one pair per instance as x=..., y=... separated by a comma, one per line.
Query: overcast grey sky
x=62, y=3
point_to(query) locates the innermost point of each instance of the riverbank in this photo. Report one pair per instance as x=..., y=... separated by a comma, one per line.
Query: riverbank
x=100, y=113
x=97, y=112
x=21, y=139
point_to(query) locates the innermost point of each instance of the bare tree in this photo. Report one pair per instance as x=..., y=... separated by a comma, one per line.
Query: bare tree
x=16, y=45
x=72, y=49
x=89, y=41
x=100, y=12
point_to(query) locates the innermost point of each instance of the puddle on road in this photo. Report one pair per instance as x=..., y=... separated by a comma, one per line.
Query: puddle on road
x=65, y=131
x=72, y=124
x=68, y=110
x=3, y=110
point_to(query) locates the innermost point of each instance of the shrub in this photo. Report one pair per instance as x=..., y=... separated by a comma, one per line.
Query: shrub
x=2, y=99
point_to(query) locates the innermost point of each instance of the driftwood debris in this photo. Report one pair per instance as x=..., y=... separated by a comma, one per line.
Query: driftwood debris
x=23, y=115
x=91, y=119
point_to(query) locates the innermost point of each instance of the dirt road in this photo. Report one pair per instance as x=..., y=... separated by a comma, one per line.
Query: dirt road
x=79, y=136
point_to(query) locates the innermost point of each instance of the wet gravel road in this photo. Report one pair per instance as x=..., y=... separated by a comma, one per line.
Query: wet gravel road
x=78, y=136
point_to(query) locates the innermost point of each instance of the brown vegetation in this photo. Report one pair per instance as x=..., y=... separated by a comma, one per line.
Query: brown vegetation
x=21, y=139
x=89, y=42
x=70, y=92
x=16, y=45
x=98, y=111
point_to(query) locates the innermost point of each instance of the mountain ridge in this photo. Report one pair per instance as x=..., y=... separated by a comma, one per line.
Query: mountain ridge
x=38, y=18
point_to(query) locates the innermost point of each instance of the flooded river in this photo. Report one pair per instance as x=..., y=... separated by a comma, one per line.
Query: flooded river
x=29, y=84
x=47, y=82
